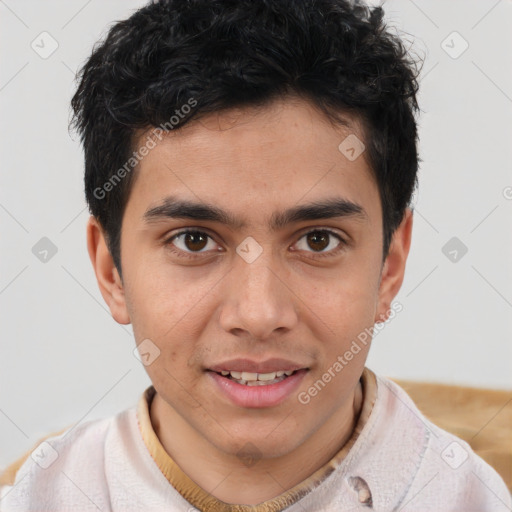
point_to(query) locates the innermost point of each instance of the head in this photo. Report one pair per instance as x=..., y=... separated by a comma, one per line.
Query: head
x=256, y=112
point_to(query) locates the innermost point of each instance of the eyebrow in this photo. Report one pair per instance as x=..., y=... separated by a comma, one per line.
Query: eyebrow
x=174, y=208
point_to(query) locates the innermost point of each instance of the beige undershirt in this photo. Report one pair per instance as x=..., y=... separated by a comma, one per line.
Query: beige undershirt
x=202, y=500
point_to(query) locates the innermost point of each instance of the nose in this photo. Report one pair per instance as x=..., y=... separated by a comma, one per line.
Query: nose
x=258, y=299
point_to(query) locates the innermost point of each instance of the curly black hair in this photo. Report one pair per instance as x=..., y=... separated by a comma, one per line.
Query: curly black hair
x=221, y=54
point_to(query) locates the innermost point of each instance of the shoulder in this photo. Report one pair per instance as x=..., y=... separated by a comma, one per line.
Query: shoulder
x=449, y=475
x=8, y=475
x=48, y=473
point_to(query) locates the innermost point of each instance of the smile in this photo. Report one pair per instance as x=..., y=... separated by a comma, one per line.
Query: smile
x=256, y=390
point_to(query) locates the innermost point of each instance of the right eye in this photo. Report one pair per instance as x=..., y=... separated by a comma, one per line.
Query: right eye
x=191, y=241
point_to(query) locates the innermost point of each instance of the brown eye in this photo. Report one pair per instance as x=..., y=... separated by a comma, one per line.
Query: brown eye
x=190, y=242
x=195, y=241
x=321, y=241
x=318, y=240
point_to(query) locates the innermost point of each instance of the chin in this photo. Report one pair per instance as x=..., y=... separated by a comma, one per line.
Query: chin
x=252, y=445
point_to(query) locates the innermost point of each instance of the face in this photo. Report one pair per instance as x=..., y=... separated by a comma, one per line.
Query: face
x=260, y=283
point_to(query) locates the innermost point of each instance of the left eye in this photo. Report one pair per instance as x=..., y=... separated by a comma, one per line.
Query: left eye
x=321, y=239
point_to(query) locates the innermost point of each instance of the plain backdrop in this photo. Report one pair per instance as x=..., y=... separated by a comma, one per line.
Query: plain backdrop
x=64, y=359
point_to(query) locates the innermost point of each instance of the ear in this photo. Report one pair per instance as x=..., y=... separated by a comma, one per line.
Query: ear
x=393, y=269
x=109, y=281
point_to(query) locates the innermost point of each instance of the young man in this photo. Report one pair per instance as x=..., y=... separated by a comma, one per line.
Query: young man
x=249, y=168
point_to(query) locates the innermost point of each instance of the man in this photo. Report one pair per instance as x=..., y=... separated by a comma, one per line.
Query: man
x=249, y=168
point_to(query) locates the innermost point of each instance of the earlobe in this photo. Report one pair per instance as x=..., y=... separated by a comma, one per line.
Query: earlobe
x=394, y=267
x=109, y=281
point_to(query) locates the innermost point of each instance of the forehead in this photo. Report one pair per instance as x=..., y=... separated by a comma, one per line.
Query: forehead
x=287, y=152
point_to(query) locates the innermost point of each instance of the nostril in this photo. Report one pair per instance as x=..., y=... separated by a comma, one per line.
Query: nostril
x=363, y=491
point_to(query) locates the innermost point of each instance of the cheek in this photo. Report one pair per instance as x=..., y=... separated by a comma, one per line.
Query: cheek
x=350, y=295
x=164, y=300
x=346, y=307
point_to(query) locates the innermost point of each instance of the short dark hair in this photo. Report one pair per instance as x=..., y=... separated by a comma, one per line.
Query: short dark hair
x=239, y=53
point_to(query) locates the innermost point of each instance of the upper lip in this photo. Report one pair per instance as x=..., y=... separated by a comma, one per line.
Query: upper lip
x=248, y=365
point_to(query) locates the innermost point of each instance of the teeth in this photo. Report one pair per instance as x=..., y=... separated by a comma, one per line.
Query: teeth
x=261, y=382
x=248, y=376
x=268, y=376
x=254, y=379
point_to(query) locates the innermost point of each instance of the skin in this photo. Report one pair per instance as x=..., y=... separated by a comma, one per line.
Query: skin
x=288, y=303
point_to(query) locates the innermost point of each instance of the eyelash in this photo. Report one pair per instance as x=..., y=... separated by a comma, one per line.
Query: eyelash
x=194, y=255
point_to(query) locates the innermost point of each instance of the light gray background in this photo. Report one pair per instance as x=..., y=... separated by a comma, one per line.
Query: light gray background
x=63, y=358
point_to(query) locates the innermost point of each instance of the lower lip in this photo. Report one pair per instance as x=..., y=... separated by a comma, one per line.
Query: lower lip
x=269, y=395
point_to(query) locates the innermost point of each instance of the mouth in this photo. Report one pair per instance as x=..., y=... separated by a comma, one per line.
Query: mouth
x=256, y=390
